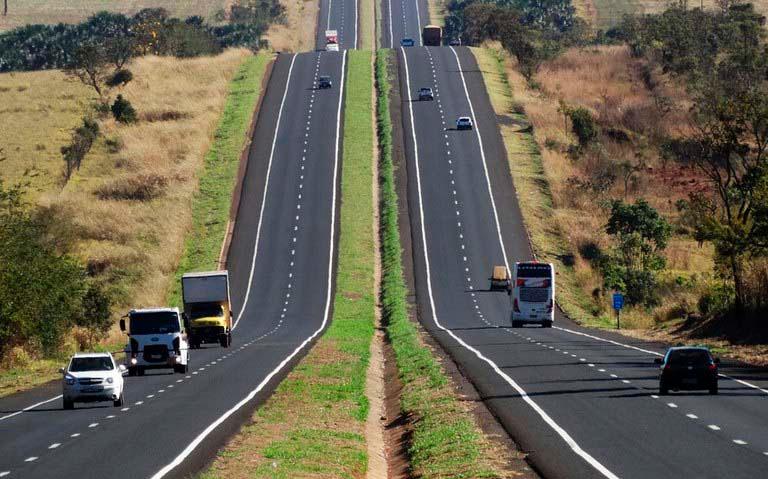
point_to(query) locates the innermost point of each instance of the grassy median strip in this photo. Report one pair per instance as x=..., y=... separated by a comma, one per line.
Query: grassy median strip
x=314, y=423
x=210, y=206
x=446, y=442
x=532, y=185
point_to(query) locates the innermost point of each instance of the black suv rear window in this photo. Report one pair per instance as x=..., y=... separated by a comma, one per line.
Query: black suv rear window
x=689, y=357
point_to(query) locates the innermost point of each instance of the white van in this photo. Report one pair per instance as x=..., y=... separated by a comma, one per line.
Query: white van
x=533, y=294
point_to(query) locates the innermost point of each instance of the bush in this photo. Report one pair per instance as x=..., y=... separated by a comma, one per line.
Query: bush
x=82, y=140
x=136, y=188
x=123, y=111
x=121, y=77
x=584, y=125
x=716, y=301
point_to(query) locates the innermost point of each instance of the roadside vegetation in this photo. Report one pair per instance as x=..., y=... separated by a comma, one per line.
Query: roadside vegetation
x=445, y=440
x=314, y=423
x=639, y=167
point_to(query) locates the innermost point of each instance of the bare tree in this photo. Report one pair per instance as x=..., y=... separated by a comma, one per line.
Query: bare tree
x=90, y=66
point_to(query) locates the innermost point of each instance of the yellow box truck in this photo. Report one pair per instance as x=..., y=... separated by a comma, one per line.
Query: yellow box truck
x=207, y=310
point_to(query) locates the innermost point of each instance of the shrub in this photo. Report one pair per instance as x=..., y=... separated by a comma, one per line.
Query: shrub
x=716, y=301
x=137, y=188
x=123, y=111
x=584, y=125
x=121, y=77
x=82, y=140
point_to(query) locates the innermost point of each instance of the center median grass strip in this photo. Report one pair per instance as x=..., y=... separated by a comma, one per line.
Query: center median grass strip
x=446, y=442
x=314, y=423
x=210, y=208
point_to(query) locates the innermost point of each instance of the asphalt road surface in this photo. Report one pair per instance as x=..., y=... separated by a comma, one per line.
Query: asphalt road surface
x=281, y=266
x=582, y=403
x=342, y=16
x=402, y=19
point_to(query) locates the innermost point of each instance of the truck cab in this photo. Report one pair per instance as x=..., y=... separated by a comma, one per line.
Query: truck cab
x=332, y=40
x=207, y=310
x=156, y=341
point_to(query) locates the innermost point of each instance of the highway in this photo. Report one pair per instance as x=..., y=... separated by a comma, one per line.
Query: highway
x=281, y=264
x=582, y=403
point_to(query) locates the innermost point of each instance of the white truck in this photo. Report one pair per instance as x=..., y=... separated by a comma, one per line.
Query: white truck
x=332, y=40
x=156, y=341
x=207, y=310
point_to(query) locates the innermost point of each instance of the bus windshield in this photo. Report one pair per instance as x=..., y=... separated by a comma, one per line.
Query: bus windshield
x=534, y=275
x=155, y=323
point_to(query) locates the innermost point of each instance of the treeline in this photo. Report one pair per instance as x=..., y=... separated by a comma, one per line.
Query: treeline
x=44, y=292
x=532, y=30
x=150, y=31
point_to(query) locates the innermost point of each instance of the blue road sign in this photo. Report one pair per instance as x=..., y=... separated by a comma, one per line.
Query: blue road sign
x=618, y=301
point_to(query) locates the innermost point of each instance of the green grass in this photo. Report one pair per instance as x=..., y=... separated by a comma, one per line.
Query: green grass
x=314, y=423
x=211, y=204
x=445, y=442
x=533, y=191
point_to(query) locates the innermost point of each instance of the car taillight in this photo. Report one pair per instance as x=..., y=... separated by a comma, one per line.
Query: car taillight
x=712, y=367
x=520, y=282
x=516, y=306
x=550, y=306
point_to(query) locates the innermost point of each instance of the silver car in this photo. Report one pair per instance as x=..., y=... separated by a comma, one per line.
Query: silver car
x=92, y=377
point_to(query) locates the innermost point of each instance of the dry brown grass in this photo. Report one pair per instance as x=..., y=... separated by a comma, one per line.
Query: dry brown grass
x=22, y=12
x=608, y=13
x=298, y=32
x=129, y=206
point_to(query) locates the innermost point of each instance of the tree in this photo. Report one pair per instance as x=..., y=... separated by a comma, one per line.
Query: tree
x=641, y=234
x=123, y=111
x=90, y=65
x=5, y=8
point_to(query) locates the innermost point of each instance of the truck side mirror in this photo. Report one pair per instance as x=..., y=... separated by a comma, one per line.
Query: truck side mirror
x=122, y=324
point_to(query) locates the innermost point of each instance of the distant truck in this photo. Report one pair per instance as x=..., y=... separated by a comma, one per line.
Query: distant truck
x=207, y=308
x=156, y=341
x=432, y=36
x=332, y=40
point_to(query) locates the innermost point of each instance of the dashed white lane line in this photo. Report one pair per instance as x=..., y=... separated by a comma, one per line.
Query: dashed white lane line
x=54, y=445
x=111, y=416
x=125, y=409
x=8, y=416
x=31, y=459
x=713, y=427
x=77, y=434
x=626, y=381
x=672, y=405
x=740, y=442
x=692, y=416
x=93, y=424
x=4, y=473
x=150, y=396
x=138, y=403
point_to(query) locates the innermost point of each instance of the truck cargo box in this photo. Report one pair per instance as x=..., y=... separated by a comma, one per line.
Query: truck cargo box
x=207, y=287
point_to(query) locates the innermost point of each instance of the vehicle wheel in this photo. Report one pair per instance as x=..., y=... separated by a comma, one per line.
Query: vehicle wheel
x=547, y=324
x=663, y=389
x=140, y=371
x=713, y=389
x=118, y=402
x=224, y=340
x=69, y=404
x=515, y=324
x=132, y=372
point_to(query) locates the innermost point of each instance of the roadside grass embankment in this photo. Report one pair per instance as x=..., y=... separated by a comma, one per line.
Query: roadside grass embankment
x=445, y=440
x=211, y=203
x=126, y=212
x=314, y=423
x=532, y=185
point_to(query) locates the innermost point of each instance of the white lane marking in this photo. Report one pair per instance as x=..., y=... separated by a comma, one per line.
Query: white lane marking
x=54, y=445
x=125, y=409
x=591, y=365
x=626, y=381
x=31, y=459
x=111, y=416
x=328, y=25
x=654, y=353
x=714, y=427
x=139, y=403
x=654, y=396
x=692, y=416
x=75, y=434
x=264, y=196
x=356, y=20
x=672, y=405
x=418, y=21
x=8, y=416
x=740, y=442
x=150, y=396
x=4, y=473
x=93, y=424
x=196, y=442
x=559, y=430
x=601, y=370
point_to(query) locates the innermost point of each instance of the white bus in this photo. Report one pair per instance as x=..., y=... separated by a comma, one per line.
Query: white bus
x=533, y=294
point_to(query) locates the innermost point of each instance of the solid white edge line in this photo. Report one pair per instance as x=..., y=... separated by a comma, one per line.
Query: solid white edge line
x=328, y=25
x=356, y=20
x=8, y=416
x=560, y=431
x=196, y=442
x=264, y=197
x=482, y=156
x=418, y=21
x=654, y=353
x=391, y=37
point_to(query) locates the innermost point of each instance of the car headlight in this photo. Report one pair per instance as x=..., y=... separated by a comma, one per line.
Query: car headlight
x=110, y=380
x=69, y=380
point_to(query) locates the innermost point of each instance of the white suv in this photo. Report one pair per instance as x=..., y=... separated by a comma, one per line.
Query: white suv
x=93, y=377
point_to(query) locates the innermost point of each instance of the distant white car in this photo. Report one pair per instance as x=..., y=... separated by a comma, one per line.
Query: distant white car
x=93, y=377
x=464, y=123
